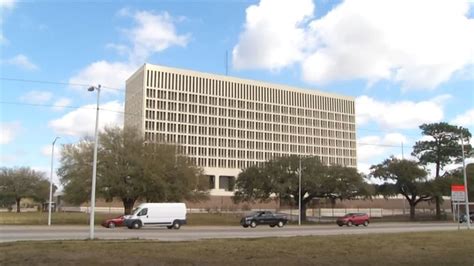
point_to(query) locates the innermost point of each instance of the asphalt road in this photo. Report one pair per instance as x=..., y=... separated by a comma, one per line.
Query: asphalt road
x=189, y=233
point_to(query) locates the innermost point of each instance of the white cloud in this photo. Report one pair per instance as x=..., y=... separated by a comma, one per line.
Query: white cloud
x=105, y=73
x=153, y=33
x=7, y=4
x=61, y=103
x=81, y=122
x=465, y=120
x=404, y=114
x=37, y=97
x=8, y=132
x=3, y=39
x=419, y=44
x=21, y=61
x=46, y=150
x=273, y=35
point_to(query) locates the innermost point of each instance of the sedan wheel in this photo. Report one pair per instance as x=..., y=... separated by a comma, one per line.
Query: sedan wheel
x=280, y=224
x=111, y=225
x=366, y=223
x=349, y=223
x=253, y=224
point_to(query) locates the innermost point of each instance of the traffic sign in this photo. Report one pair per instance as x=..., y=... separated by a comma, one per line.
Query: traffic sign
x=458, y=193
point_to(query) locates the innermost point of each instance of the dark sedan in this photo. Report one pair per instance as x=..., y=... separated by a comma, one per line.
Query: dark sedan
x=113, y=222
x=263, y=217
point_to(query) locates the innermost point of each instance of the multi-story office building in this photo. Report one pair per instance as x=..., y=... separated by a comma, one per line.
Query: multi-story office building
x=225, y=124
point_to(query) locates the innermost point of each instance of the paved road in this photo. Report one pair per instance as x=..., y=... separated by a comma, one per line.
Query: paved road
x=187, y=233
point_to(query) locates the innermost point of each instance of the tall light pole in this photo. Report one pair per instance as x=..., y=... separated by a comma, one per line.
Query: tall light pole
x=51, y=183
x=94, y=165
x=468, y=219
x=299, y=194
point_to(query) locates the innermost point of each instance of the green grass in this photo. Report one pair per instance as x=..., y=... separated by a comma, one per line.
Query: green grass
x=427, y=248
x=76, y=218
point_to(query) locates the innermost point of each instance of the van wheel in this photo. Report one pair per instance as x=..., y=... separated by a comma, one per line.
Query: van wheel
x=176, y=225
x=253, y=224
x=280, y=224
x=136, y=225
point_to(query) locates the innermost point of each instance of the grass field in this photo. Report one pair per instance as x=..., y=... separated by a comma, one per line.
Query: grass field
x=428, y=248
x=69, y=218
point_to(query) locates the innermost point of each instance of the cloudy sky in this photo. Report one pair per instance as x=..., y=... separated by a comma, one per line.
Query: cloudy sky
x=405, y=62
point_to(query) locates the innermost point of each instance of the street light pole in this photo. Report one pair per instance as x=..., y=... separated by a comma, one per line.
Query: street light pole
x=299, y=194
x=468, y=219
x=94, y=165
x=51, y=183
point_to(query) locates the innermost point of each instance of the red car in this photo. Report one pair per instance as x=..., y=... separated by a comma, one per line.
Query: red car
x=113, y=222
x=353, y=219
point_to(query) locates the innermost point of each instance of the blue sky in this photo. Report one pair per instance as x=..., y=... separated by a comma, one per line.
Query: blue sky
x=405, y=62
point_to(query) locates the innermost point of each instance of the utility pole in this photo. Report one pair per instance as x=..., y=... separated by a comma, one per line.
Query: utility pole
x=299, y=193
x=468, y=220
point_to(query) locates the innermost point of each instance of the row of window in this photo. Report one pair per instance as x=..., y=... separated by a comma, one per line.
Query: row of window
x=241, y=90
x=252, y=130
x=245, y=112
x=271, y=123
x=242, y=164
x=204, y=146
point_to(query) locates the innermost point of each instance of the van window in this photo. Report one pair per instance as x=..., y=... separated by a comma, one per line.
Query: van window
x=143, y=212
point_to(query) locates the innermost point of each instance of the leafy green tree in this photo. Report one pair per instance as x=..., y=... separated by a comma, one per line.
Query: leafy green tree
x=76, y=170
x=23, y=182
x=280, y=177
x=456, y=177
x=129, y=169
x=442, y=148
x=403, y=177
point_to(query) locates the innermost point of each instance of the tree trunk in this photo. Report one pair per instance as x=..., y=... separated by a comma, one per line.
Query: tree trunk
x=128, y=205
x=438, y=207
x=437, y=198
x=412, y=211
x=18, y=204
x=303, y=212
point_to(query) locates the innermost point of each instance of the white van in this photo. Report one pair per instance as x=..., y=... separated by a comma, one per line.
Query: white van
x=171, y=215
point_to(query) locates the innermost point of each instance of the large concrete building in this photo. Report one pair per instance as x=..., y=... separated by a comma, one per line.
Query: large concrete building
x=225, y=124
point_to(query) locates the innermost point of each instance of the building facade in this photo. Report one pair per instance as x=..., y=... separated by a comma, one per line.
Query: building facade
x=225, y=124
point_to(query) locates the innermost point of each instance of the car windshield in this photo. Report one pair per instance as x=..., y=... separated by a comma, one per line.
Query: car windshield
x=135, y=211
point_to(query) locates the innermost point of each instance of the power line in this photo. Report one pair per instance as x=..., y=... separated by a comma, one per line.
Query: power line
x=58, y=83
x=67, y=106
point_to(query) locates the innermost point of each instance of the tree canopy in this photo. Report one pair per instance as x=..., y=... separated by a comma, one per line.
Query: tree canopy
x=280, y=177
x=23, y=182
x=403, y=177
x=443, y=147
x=128, y=168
